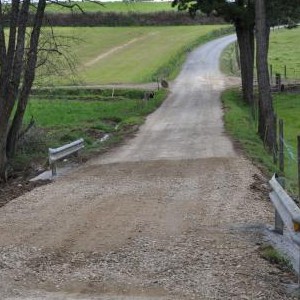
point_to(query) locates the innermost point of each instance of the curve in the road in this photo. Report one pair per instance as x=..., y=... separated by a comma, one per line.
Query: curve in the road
x=189, y=124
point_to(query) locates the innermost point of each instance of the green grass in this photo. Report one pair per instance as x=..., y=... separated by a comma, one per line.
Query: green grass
x=243, y=128
x=285, y=50
x=269, y=253
x=287, y=108
x=228, y=61
x=131, y=54
x=61, y=116
x=124, y=7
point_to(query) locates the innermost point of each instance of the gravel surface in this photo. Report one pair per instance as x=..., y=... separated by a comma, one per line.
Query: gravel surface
x=175, y=213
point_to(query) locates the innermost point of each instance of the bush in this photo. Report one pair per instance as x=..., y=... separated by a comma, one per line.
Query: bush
x=114, y=19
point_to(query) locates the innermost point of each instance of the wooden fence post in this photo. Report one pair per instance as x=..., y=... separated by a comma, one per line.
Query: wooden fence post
x=278, y=81
x=275, y=144
x=298, y=146
x=281, y=147
x=285, y=72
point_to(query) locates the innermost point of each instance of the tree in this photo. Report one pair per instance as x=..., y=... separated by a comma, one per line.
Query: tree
x=20, y=32
x=245, y=15
x=281, y=12
x=267, y=120
x=12, y=62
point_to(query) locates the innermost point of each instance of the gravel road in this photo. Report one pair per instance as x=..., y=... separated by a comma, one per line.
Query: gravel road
x=175, y=213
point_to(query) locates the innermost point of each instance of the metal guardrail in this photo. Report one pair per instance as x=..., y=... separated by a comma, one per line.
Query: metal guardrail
x=287, y=212
x=56, y=154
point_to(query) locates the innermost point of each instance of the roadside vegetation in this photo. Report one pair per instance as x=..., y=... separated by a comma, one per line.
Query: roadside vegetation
x=270, y=254
x=103, y=117
x=243, y=127
x=128, y=54
x=61, y=116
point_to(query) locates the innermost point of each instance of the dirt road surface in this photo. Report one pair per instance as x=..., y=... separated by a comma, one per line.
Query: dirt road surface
x=176, y=213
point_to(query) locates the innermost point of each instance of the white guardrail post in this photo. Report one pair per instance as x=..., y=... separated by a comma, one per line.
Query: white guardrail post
x=56, y=154
x=287, y=212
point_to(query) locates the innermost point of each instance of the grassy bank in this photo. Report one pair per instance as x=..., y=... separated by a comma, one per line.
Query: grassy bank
x=229, y=63
x=283, y=51
x=243, y=128
x=126, y=54
x=62, y=116
x=240, y=124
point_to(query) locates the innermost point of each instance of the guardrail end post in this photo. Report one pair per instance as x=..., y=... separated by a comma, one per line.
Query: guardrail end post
x=53, y=168
x=278, y=223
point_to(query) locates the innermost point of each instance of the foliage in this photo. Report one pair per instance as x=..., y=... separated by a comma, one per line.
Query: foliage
x=283, y=11
x=236, y=12
x=113, y=19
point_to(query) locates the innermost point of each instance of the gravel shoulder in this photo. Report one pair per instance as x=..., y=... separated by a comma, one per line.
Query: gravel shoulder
x=175, y=213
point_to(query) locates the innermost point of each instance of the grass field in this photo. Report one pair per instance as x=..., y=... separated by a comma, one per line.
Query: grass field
x=128, y=54
x=124, y=7
x=284, y=51
x=240, y=124
x=62, y=116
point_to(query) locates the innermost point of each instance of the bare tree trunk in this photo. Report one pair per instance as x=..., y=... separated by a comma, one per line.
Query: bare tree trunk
x=27, y=82
x=7, y=85
x=245, y=36
x=267, y=123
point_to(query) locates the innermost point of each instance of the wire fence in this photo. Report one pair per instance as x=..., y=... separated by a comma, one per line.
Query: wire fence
x=289, y=161
x=287, y=73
